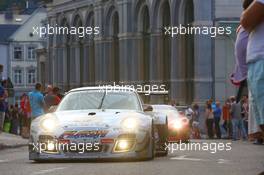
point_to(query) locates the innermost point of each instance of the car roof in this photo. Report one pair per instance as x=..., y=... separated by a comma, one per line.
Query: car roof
x=109, y=88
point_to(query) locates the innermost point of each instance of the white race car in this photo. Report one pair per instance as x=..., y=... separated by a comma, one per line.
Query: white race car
x=98, y=123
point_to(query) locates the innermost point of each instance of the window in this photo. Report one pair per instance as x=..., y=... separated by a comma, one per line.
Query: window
x=31, y=53
x=31, y=76
x=18, y=53
x=18, y=76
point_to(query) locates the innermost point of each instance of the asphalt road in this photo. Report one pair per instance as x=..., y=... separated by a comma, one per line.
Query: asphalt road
x=243, y=159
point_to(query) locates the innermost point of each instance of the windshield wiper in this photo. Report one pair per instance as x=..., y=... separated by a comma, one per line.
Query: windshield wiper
x=101, y=104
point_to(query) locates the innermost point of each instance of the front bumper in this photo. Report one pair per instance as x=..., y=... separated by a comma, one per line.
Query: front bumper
x=139, y=149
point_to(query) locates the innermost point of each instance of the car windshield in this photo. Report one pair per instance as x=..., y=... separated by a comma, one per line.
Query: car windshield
x=98, y=99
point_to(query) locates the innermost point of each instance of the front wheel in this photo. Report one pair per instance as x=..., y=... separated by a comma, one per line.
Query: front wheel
x=163, y=139
x=151, y=148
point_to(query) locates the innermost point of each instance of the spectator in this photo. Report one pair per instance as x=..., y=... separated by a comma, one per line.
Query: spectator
x=209, y=116
x=14, y=119
x=217, y=118
x=195, y=123
x=48, y=89
x=25, y=115
x=173, y=103
x=25, y=110
x=227, y=125
x=51, y=98
x=239, y=76
x=37, y=103
x=3, y=96
x=245, y=109
x=7, y=126
x=56, y=92
x=237, y=122
x=254, y=129
x=253, y=21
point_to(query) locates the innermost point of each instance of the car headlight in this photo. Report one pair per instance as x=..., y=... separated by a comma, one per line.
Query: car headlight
x=48, y=124
x=130, y=123
x=177, y=124
x=124, y=145
x=51, y=146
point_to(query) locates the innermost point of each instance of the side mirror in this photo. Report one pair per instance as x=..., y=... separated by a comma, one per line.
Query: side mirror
x=52, y=109
x=147, y=108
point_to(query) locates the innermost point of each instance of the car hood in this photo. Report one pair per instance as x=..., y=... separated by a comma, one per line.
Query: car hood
x=95, y=118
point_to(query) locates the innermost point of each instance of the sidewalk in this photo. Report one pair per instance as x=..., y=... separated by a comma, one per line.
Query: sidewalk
x=11, y=141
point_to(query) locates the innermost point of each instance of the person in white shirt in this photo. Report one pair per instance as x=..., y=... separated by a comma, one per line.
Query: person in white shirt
x=252, y=20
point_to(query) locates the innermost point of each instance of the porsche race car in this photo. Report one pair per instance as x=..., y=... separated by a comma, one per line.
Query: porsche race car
x=178, y=123
x=98, y=123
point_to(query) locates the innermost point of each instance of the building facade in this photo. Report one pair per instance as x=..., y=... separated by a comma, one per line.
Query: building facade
x=22, y=54
x=133, y=49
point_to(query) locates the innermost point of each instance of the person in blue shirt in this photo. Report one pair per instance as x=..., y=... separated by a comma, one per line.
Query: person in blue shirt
x=37, y=103
x=217, y=117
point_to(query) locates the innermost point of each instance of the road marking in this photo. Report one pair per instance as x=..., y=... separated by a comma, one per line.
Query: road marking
x=190, y=159
x=3, y=161
x=223, y=161
x=184, y=157
x=47, y=171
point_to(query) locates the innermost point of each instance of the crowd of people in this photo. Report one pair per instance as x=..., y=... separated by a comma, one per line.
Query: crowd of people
x=16, y=118
x=229, y=121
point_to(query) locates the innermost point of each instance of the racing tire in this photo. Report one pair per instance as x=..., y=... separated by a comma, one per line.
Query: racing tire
x=39, y=161
x=163, y=134
x=151, y=148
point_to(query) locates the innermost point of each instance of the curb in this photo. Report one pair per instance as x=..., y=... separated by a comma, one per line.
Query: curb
x=2, y=146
